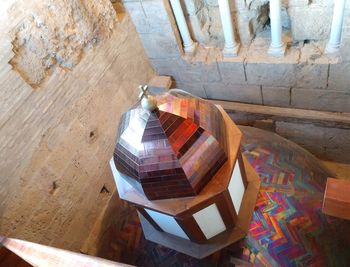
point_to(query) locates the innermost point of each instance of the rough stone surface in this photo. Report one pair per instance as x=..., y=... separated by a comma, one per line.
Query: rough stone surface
x=310, y=23
x=149, y=16
x=192, y=7
x=299, y=3
x=321, y=3
x=185, y=72
x=167, y=67
x=198, y=72
x=310, y=75
x=271, y=74
x=305, y=65
x=234, y=92
x=257, y=52
x=195, y=89
x=245, y=33
x=276, y=96
x=203, y=18
x=307, y=19
x=55, y=143
x=345, y=47
x=319, y=99
x=232, y=72
x=346, y=24
x=326, y=143
x=166, y=43
x=339, y=77
x=56, y=33
x=155, y=28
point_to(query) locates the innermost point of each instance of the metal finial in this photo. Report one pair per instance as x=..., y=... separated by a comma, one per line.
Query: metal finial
x=148, y=102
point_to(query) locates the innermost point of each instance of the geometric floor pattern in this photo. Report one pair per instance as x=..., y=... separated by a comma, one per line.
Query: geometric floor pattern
x=287, y=229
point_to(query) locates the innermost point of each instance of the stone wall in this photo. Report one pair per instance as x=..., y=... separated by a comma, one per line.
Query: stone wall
x=324, y=134
x=57, y=129
x=304, y=78
x=303, y=19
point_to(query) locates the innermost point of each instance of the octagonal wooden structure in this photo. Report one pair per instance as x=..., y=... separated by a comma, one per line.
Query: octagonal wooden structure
x=218, y=216
x=172, y=151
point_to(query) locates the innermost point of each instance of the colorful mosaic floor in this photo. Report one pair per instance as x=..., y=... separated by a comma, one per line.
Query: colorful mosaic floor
x=287, y=229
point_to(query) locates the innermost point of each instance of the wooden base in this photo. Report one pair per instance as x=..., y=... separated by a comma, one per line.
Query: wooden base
x=222, y=240
x=336, y=200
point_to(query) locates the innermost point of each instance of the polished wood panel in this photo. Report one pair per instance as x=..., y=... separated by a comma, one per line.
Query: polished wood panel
x=10, y=259
x=336, y=200
x=227, y=210
x=191, y=228
x=242, y=169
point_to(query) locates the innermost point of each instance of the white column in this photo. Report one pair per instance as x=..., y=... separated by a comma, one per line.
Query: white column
x=231, y=46
x=337, y=26
x=189, y=45
x=277, y=47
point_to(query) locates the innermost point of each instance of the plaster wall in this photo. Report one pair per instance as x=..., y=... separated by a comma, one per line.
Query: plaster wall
x=68, y=69
x=304, y=78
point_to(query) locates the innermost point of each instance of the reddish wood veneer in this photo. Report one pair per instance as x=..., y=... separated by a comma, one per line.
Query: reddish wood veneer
x=336, y=200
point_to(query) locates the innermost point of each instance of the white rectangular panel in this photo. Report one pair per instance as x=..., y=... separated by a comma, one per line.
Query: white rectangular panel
x=236, y=187
x=210, y=221
x=167, y=223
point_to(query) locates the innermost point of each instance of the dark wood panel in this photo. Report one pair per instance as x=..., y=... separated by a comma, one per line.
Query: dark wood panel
x=10, y=259
x=191, y=228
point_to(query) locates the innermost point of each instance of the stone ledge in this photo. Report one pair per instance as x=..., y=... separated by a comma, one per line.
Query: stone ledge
x=329, y=100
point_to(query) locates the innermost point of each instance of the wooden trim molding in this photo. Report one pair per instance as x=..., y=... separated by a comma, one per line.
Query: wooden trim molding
x=227, y=210
x=192, y=230
x=242, y=169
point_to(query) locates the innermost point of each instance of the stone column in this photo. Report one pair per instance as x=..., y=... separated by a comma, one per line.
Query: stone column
x=337, y=27
x=277, y=47
x=231, y=46
x=189, y=45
